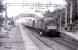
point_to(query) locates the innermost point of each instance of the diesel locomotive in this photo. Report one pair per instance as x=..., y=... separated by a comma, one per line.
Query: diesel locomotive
x=49, y=29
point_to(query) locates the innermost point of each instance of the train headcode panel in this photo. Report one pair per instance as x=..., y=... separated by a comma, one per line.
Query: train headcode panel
x=51, y=27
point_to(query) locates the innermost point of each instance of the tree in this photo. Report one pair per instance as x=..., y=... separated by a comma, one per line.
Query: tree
x=47, y=14
x=75, y=16
x=57, y=14
x=74, y=11
x=1, y=6
x=1, y=10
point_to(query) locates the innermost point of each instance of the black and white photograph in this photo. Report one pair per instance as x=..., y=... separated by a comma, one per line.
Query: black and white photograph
x=38, y=24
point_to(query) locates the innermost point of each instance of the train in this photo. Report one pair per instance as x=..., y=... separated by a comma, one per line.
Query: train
x=40, y=26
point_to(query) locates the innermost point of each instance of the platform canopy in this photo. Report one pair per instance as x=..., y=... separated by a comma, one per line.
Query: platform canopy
x=33, y=15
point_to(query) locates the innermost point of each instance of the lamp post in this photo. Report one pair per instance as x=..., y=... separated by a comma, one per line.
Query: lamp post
x=6, y=16
x=66, y=17
x=71, y=16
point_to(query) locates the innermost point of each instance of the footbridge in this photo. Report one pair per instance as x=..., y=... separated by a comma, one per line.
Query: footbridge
x=34, y=15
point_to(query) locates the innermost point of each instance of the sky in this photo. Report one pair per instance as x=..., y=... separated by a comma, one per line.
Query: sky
x=16, y=10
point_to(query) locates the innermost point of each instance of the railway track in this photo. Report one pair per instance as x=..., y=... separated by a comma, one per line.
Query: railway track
x=48, y=41
x=57, y=40
x=70, y=44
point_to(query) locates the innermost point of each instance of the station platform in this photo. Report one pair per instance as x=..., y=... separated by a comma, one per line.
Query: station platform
x=16, y=39
x=12, y=40
x=71, y=36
